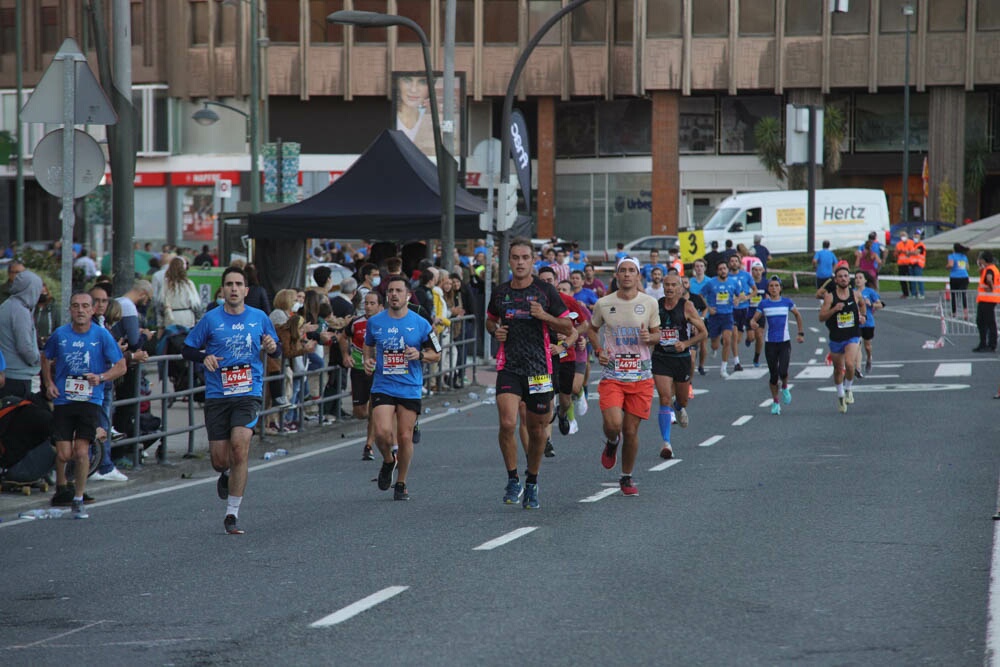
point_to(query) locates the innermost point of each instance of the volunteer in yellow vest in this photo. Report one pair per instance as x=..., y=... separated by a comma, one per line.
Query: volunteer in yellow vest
x=903, y=250
x=918, y=258
x=986, y=302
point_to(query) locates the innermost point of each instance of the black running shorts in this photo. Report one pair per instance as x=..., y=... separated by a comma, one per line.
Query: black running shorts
x=411, y=404
x=512, y=383
x=76, y=421
x=677, y=369
x=222, y=415
x=361, y=387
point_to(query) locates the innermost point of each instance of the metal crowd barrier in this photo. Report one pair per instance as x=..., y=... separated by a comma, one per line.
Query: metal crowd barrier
x=957, y=310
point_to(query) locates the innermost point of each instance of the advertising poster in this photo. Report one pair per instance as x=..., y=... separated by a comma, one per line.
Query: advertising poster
x=411, y=113
x=199, y=214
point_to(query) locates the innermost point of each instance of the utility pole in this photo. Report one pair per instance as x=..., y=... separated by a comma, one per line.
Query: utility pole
x=19, y=66
x=448, y=135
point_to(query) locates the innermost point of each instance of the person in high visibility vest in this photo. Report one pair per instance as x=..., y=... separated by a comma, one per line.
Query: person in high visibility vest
x=918, y=259
x=903, y=249
x=987, y=299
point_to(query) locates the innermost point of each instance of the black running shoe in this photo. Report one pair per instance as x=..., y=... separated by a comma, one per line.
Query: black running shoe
x=737, y=367
x=416, y=435
x=563, y=424
x=385, y=475
x=550, y=451
x=399, y=492
x=368, y=454
x=231, y=527
x=63, y=497
x=222, y=486
x=701, y=370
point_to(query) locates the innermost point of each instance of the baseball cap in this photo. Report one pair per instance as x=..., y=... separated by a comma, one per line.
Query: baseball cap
x=842, y=264
x=754, y=264
x=631, y=260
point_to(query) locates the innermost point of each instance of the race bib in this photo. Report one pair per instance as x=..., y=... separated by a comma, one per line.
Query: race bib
x=961, y=264
x=755, y=300
x=669, y=337
x=78, y=389
x=627, y=365
x=236, y=379
x=845, y=320
x=394, y=363
x=721, y=298
x=539, y=384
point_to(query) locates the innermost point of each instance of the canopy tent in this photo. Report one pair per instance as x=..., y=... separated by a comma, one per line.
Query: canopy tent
x=976, y=236
x=390, y=193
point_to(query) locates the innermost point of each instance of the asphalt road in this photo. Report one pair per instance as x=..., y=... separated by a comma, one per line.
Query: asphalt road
x=813, y=538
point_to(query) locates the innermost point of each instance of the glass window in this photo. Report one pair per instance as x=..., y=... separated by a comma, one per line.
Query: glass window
x=588, y=22
x=945, y=17
x=575, y=210
x=697, y=125
x=283, y=21
x=804, y=17
x=710, y=18
x=664, y=18
x=878, y=122
x=854, y=21
x=629, y=205
x=891, y=18
x=987, y=15
x=976, y=117
x=500, y=22
x=8, y=23
x=465, y=21
x=624, y=127
x=160, y=121
x=419, y=11
x=739, y=118
x=756, y=17
x=624, y=20
x=370, y=35
x=576, y=131
x=50, y=29
x=321, y=32
x=540, y=11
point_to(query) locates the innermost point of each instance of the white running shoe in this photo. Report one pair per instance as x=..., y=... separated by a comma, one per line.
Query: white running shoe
x=849, y=397
x=725, y=372
x=114, y=475
x=682, y=418
x=573, y=427
x=580, y=403
x=841, y=404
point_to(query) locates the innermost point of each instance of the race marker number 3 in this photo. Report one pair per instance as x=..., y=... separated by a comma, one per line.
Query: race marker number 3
x=692, y=246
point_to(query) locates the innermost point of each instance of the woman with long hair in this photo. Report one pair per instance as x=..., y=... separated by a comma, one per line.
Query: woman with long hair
x=181, y=302
x=256, y=294
x=958, y=278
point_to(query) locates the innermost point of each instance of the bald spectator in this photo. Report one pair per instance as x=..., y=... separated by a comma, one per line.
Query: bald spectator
x=129, y=326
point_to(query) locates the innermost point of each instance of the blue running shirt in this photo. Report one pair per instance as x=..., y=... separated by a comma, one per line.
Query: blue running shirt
x=75, y=355
x=959, y=265
x=720, y=294
x=235, y=341
x=776, y=313
x=871, y=297
x=390, y=336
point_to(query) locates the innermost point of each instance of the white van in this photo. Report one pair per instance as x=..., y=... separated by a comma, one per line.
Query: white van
x=844, y=217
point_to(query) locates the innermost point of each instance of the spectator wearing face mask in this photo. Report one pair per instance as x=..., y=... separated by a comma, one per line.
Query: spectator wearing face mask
x=369, y=278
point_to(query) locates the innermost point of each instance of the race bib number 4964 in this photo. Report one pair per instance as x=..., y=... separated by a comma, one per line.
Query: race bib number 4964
x=236, y=379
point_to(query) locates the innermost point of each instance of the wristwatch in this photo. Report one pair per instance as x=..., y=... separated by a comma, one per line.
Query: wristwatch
x=421, y=357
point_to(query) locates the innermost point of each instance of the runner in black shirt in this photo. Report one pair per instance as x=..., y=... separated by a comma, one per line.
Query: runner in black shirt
x=520, y=315
x=843, y=311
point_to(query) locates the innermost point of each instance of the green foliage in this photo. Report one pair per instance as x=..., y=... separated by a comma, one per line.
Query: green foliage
x=947, y=201
x=8, y=146
x=778, y=262
x=834, y=130
x=976, y=154
x=768, y=137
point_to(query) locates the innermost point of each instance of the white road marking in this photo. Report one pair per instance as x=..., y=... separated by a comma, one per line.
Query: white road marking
x=352, y=610
x=901, y=387
x=504, y=539
x=993, y=606
x=711, y=441
x=600, y=495
x=58, y=636
x=815, y=373
x=665, y=465
x=742, y=420
x=814, y=329
x=821, y=339
x=748, y=374
x=953, y=370
x=766, y=404
x=818, y=351
x=877, y=377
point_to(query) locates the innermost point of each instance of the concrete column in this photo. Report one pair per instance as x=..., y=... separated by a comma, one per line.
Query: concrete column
x=546, y=167
x=947, y=149
x=666, y=162
x=798, y=175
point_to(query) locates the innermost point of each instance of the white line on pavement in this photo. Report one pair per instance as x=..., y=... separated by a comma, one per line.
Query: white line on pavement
x=814, y=329
x=881, y=377
x=821, y=339
x=818, y=351
x=711, y=441
x=665, y=465
x=356, y=608
x=504, y=539
x=963, y=369
x=600, y=495
x=993, y=609
x=766, y=404
x=742, y=420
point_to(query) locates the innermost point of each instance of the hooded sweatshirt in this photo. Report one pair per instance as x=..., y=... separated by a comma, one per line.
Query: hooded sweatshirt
x=18, y=339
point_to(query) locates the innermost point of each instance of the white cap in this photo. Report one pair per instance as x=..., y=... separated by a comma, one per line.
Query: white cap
x=630, y=260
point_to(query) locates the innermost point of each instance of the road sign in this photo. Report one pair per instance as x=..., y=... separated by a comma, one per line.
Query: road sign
x=91, y=105
x=88, y=163
x=224, y=186
x=692, y=245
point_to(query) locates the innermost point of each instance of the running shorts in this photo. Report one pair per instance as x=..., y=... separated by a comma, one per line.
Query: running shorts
x=222, y=415
x=867, y=333
x=677, y=369
x=411, y=404
x=718, y=323
x=635, y=398
x=740, y=318
x=361, y=386
x=76, y=421
x=838, y=346
x=512, y=383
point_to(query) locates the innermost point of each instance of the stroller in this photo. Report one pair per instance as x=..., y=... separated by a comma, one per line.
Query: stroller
x=26, y=452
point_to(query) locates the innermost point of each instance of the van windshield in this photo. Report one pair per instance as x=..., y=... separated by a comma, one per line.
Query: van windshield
x=721, y=218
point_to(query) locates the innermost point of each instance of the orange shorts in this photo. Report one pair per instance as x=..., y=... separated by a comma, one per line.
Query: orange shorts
x=635, y=398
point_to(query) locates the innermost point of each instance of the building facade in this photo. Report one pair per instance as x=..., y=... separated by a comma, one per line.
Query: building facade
x=642, y=114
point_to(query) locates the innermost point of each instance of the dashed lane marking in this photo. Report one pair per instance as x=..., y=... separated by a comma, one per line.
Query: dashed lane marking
x=742, y=420
x=352, y=610
x=954, y=370
x=600, y=495
x=504, y=539
x=711, y=441
x=665, y=465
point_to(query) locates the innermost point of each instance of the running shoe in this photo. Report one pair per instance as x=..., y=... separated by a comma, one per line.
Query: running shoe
x=747, y=342
x=385, y=475
x=849, y=397
x=79, y=511
x=667, y=452
x=581, y=404
x=222, y=486
x=738, y=367
x=786, y=396
x=530, y=500
x=573, y=427
x=564, y=424
x=231, y=527
x=868, y=367
x=610, y=455
x=399, y=492
x=628, y=486
x=368, y=454
x=841, y=404
x=63, y=497
x=756, y=364
x=858, y=375
x=775, y=409
x=682, y=418
x=725, y=372
x=701, y=370
x=416, y=434
x=513, y=492
x=550, y=451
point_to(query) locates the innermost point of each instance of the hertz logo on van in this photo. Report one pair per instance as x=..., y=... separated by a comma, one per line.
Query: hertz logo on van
x=835, y=215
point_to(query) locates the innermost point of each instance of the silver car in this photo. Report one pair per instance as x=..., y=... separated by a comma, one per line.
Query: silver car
x=640, y=247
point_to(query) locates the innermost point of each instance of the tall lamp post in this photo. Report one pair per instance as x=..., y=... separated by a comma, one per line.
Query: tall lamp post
x=908, y=11
x=205, y=116
x=445, y=162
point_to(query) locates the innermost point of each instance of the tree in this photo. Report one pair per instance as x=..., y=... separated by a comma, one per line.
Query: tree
x=770, y=152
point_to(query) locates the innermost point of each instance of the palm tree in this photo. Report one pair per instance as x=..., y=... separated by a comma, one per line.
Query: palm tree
x=770, y=152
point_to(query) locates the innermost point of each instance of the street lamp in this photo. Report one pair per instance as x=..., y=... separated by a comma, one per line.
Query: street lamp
x=445, y=162
x=908, y=11
x=205, y=117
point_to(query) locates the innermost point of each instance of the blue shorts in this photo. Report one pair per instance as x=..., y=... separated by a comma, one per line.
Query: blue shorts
x=741, y=316
x=718, y=323
x=838, y=347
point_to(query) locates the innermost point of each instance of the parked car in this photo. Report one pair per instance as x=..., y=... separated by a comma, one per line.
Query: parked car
x=640, y=247
x=337, y=271
x=929, y=229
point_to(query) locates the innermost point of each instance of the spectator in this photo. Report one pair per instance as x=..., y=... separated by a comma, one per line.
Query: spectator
x=46, y=316
x=158, y=267
x=561, y=264
x=712, y=259
x=591, y=281
x=581, y=292
x=868, y=262
x=86, y=264
x=760, y=251
x=205, y=259
x=256, y=294
x=130, y=326
x=370, y=279
x=18, y=336
x=958, y=277
x=460, y=306
x=181, y=301
x=823, y=262
x=729, y=251
x=14, y=268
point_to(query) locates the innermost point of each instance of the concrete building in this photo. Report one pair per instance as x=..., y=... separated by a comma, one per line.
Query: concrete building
x=641, y=113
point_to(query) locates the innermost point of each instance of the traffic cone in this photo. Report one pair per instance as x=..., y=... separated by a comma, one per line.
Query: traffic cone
x=947, y=291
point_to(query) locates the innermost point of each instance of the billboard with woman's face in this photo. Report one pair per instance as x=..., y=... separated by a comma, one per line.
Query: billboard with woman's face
x=411, y=111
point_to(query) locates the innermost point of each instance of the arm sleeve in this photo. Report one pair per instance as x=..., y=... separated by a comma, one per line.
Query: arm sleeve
x=193, y=354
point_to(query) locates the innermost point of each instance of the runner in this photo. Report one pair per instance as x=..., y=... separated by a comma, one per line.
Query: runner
x=228, y=341
x=520, y=315
x=719, y=294
x=873, y=302
x=741, y=306
x=79, y=358
x=696, y=282
x=397, y=342
x=361, y=381
x=672, y=364
x=843, y=311
x=759, y=292
x=773, y=313
x=624, y=325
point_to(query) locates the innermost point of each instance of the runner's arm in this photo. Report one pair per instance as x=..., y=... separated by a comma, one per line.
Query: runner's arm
x=698, y=324
x=798, y=320
x=826, y=310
